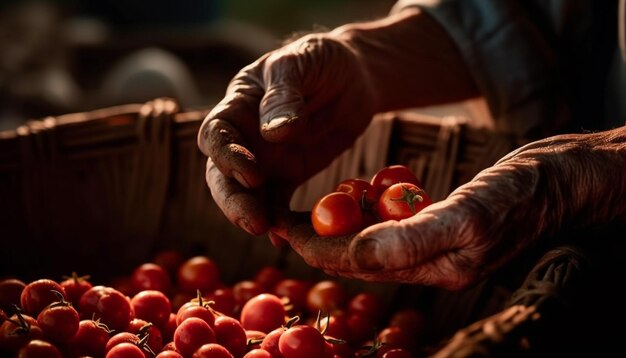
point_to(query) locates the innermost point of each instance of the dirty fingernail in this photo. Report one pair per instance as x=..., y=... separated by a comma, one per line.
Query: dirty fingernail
x=244, y=224
x=240, y=178
x=366, y=255
x=277, y=122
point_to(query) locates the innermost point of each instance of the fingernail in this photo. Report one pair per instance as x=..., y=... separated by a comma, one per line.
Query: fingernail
x=244, y=224
x=366, y=255
x=277, y=122
x=240, y=178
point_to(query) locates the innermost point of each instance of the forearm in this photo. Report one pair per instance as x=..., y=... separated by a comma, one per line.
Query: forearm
x=410, y=60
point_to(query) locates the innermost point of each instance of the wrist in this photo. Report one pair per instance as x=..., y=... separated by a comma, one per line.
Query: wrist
x=409, y=60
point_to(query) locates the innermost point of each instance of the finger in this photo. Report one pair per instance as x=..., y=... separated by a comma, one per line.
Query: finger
x=220, y=141
x=237, y=203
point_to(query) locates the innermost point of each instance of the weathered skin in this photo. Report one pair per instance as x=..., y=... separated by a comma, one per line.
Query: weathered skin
x=289, y=114
x=566, y=182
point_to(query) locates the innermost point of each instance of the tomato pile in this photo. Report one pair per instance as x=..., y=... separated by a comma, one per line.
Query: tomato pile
x=393, y=193
x=178, y=307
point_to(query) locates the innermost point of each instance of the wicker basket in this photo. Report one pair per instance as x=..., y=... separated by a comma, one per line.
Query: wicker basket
x=101, y=191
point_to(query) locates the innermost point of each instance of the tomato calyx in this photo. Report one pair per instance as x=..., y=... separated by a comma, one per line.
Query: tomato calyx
x=205, y=304
x=101, y=325
x=77, y=279
x=410, y=197
x=372, y=350
x=61, y=302
x=318, y=325
x=143, y=342
x=22, y=325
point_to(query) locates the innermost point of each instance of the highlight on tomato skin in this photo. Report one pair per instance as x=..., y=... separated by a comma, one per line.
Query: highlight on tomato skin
x=401, y=201
x=336, y=214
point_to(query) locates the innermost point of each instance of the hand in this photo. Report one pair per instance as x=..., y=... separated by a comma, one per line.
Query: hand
x=289, y=114
x=557, y=184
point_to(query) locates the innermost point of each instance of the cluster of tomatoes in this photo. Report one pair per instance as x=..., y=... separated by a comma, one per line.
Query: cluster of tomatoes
x=393, y=193
x=175, y=307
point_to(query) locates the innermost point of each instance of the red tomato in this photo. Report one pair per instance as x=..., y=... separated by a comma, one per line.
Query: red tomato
x=152, y=306
x=326, y=296
x=198, y=310
x=18, y=330
x=107, y=304
x=361, y=328
x=295, y=290
x=198, y=273
x=230, y=333
x=245, y=290
x=302, y=341
x=337, y=326
x=336, y=214
x=401, y=201
x=90, y=339
x=125, y=350
x=168, y=331
x=191, y=334
x=170, y=260
x=361, y=190
x=75, y=286
x=264, y=313
x=258, y=353
x=409, y=320
x=212, y=350
x=119, y=338
x=10, y=293
x=393, y=174
x=39, y=294
x=268, y=277
x=142, y=329
x=150, y=276
x=225, y=302
x=367, y=304
x=270, y=342
x=59, y=321
x=39, y=349
x=169, y=354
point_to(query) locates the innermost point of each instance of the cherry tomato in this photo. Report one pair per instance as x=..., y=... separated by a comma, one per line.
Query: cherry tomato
x=75, y=286
x=225, y=302
x=336, y=214
x=264, y=313
x=152, y=306
x=18, y=330
x=198, y=273
x=59, y=321
x=191, y=334
x=401, y=201
x=212, y=350
x=361, y=328
x=230, y=333
x=169, y=354
x=39, y=294
x=150, y=276
x=38, y=349
x=196, y=309
x=302, y=341
x=367, y=304
x=337, y=326
x=119, y=338
x=90, y=339
x=170, y=260
x=295, y=290
x=142, y=329
x=327, y=296
x=258, y=353
x=270, y=342
x=393, y=174
x=107, y=304
x=268, y=277
x=361, y=190
x=10, y=293
x=125, y=350
x=245, y=290
x=168, y=331
x=395, y=337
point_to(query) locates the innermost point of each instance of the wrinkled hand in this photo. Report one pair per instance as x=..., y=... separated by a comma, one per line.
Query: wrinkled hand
x=557, y=184
x=283, y=118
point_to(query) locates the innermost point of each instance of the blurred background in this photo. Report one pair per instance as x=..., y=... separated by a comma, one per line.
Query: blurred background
x=69, y=55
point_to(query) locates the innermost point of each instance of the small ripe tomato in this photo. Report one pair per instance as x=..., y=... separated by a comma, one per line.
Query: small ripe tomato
x=191, y=334
x=230, y=333
x=295, y=290
x=198, y=273
x=395, y=337
x=125, y=350
x=264, y=313
x=10, y=293
x=336, y=214
x=326, y=296
x=401, y=201
x=225, y=302
x=361, y=190
x=270, y=342
x=107, y=304
x=393, y=174
x=268, y=277
x=169, y=354
x=212, y=350
x=90, y=339
x=59, y=321
x=150, y=276
x=152, y=306
x=198, y=309
x=18, y=330
x=142, y=329
x=367, y=304
x=170, y=260
x=361, y=328
x=258, y=353
x=245, y=290
x=302, y=341
x=75, y=286
x=39, y=294
x=39, y=348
